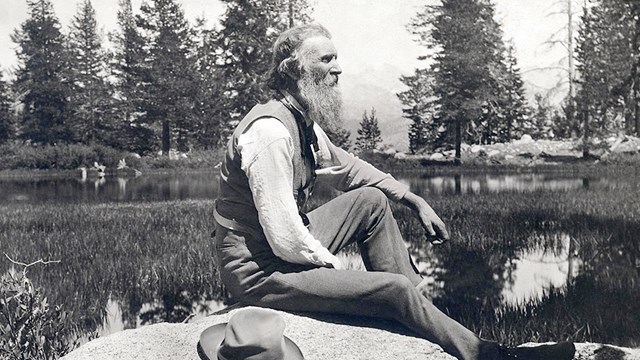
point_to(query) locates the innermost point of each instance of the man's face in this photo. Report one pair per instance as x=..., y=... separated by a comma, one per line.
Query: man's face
x=318, y=83
x=320, y=59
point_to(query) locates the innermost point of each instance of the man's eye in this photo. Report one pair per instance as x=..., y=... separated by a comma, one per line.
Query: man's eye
x=327, y=59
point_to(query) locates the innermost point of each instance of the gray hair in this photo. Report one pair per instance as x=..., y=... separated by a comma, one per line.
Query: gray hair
x=287, y=55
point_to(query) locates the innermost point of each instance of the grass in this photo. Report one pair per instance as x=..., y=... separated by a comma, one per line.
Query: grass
x=133, y=253
x=160, y=253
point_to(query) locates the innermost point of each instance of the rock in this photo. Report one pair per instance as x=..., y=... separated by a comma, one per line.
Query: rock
x=494, y=153
x=320, y=337
x=400, y=155
x=476, y=149
x=525, y=139
x=436, y=156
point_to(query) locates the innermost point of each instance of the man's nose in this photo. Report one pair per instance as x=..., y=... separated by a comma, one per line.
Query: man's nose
x=335, y=69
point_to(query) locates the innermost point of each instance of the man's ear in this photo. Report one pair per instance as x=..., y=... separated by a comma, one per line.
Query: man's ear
x=290, y=68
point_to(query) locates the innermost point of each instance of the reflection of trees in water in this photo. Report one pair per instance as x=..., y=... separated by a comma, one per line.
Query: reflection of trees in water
x=599, y=304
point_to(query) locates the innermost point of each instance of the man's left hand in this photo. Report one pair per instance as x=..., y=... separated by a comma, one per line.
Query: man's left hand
x=431, y=222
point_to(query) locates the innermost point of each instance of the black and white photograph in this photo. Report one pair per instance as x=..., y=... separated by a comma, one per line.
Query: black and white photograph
x=320, y=179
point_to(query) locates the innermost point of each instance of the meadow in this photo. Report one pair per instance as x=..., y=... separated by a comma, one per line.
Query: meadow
x=154, y=259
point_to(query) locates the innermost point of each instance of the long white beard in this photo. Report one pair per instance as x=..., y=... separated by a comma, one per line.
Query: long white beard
x=322, y=99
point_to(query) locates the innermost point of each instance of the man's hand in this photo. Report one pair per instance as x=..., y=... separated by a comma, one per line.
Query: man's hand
x=431, y=222
x=335, y=262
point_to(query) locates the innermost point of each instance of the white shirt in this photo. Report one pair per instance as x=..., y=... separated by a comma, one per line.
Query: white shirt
x=266, y=149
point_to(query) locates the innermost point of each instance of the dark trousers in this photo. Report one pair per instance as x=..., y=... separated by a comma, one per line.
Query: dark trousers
x=254, y=276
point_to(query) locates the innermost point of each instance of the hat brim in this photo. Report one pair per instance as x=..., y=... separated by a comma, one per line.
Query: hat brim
x=212, y=337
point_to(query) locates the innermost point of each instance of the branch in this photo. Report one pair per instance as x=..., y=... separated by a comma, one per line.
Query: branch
x=26, y=266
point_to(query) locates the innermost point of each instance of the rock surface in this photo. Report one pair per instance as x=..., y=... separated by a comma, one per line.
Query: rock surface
x=319, y=337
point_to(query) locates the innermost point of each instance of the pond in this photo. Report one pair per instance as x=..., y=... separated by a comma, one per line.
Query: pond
x=532, y=257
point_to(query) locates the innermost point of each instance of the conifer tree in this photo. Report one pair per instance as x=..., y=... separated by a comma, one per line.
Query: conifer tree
x=6, y=117
x=90, y=97
x=418, y=101
x=340, y=137
x=513, y=102
x=249, y=28
x=40, y=77
x=171, y=64
x=369, y=133
x=132, y=77
x=468, y=69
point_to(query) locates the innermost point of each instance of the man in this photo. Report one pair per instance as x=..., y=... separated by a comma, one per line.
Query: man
x=271, y=254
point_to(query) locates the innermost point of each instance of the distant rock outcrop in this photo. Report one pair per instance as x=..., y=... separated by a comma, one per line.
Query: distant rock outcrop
x=320, y=337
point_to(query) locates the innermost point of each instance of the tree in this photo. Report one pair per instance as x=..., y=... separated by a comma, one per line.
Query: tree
x=419, y=106
x=131, y=76
x=249, y=28
x=514, y=103
x=40, y=75
x=606, y=56
x=541, y=119
x=340, y=137
x=171, y=70
x=369, y=133
x=208, y=124
x=6, y=118
x=467, y=64
x=90, y=96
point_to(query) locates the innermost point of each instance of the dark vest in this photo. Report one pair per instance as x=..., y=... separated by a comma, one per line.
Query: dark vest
x=234, y=207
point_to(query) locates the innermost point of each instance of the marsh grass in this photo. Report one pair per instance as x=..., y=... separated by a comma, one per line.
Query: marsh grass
x=130, y=253
x=159, y=253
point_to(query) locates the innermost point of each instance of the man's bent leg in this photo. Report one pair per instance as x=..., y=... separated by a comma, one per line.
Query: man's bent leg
x=375, y=294
x=364, y=216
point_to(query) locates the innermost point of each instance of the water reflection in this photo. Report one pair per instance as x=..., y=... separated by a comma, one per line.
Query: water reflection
x=156, y=187
x=528, y=251
x=487, y=183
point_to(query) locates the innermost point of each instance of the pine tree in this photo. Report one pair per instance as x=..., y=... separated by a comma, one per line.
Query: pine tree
x=514, y=103
x=607, y=67
x=340, y=138
x=419, y=107
x=132, y=77
x=6, y=117
x=249, y=28
x=208, y=125
x=172, y=77
x=40, y=80
x=541, y=119
x=90, y=96
x=369, y=133
x=467, y=68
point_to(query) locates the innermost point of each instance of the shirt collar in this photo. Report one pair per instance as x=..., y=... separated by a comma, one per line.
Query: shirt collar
x=295, y=105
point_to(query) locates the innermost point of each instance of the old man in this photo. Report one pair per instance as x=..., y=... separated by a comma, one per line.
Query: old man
x=271, y=254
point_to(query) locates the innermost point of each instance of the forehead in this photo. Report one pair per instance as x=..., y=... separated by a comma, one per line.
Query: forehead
x=318, y=46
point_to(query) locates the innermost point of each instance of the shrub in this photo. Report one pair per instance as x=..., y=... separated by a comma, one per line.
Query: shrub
x=29, y=327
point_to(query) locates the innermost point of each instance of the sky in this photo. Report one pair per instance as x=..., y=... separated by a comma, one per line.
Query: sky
x=369, y=34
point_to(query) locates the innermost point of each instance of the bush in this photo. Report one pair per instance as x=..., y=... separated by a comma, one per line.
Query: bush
x=29, y=327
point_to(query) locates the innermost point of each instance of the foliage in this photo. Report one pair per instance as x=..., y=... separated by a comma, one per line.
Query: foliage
x=128, y=253
x=419, y=107
x=73, y=156
x=369, y=133
x=131, y=75
x=171, y=64
x=340, y=137
x=29, y=327
x=90, y=97
x=6, y=117
x=608, y=56
x=476, y=86
x=249, y=28
x=40, y=76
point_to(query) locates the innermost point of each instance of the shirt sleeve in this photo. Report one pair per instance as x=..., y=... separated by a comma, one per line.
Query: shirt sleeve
x=266, y=150
x=345, y=171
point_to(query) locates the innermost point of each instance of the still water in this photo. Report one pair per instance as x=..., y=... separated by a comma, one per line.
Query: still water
x=512, y=253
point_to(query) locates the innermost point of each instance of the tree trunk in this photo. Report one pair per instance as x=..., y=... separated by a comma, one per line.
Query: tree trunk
x=166, y=137
x=458, y=159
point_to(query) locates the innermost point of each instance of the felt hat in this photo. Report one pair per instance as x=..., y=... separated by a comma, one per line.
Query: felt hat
x=250, y=334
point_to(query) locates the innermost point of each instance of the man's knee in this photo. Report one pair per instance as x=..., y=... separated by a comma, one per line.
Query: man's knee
x=372, y=199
